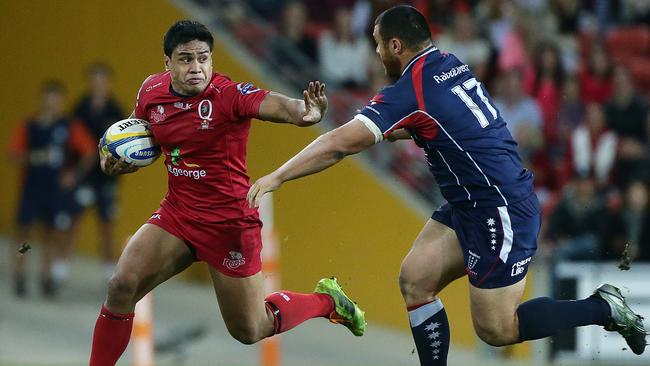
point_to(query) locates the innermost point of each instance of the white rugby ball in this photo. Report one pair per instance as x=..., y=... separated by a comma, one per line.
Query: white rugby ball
x=132, y=140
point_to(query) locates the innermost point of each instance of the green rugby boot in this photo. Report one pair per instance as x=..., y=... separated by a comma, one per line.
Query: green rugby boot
x=346, y=312
x=622, y=319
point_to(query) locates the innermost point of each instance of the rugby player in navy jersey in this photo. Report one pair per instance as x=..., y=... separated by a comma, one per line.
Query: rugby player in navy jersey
x=488, y=228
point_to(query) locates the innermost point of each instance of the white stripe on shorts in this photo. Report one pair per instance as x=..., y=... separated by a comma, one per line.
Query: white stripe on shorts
x=424, y=312
x=507, y=233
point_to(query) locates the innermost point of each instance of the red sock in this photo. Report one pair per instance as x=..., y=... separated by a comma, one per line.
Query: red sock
x=291, y=308
x=111, y=336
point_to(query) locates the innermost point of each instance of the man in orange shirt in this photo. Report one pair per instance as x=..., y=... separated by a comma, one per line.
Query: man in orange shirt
x=55, y=153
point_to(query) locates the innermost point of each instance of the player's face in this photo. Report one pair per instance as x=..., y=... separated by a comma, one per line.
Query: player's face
x=190, y=67
x=391, y=62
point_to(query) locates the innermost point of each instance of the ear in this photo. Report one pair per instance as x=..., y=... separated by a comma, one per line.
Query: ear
x=396, y=46
x=167, y=61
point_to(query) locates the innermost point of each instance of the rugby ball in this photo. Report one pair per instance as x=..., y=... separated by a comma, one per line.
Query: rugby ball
x=132, y=140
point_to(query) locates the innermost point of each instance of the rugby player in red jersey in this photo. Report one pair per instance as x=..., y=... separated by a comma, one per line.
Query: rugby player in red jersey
x=201, y=119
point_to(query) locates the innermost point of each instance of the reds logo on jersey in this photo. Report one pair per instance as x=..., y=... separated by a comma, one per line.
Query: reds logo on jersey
x=205, y=114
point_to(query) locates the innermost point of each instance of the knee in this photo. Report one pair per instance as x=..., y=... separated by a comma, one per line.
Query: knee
x=122, y=288
x=495, y=335
x=414, y=291
x=246, y=334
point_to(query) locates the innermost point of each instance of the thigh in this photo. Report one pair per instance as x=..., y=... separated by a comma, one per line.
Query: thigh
x=494, y=310
x=151, y=257
x=241, y=300
x=434, y=261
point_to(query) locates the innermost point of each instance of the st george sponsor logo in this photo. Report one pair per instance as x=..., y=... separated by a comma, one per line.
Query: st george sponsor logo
x=190, y=173
x=519, y=267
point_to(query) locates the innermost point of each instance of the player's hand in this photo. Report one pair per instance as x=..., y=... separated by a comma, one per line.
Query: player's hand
x=112, y=166
x=263, y=185
x=315, y=102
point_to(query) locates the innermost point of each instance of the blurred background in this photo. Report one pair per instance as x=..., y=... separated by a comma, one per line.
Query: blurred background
x=570, y=77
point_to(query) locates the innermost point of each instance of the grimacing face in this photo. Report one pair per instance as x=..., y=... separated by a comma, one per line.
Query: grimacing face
x=190, y=67
x=391, y=62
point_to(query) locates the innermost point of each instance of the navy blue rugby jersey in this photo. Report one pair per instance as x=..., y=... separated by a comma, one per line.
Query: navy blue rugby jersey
x=449, y=113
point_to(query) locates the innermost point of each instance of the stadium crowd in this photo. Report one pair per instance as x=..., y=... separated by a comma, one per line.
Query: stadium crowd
x=571, y=77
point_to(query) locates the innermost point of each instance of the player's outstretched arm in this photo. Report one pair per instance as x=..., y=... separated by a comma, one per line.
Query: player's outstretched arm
x=310, y=110
x=327, y=150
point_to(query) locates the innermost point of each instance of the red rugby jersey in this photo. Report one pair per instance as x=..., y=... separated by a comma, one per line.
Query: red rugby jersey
x=204, y=140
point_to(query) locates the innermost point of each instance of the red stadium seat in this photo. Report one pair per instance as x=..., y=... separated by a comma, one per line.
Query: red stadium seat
x=629, y=41
x=640, y=69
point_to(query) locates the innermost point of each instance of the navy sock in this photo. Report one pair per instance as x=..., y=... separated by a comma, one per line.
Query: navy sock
x=543, y=316
x=430, y=329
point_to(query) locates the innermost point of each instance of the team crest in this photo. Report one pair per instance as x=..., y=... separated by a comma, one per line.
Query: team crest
x=235, y=261
x=205, y=114
x=158, y=114
x=472, y=260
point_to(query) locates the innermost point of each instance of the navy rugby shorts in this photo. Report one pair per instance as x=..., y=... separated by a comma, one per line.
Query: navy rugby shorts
x=498, y=243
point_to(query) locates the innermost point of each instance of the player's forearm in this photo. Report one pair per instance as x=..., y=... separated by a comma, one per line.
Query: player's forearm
x=279, y=108
x=295, y=112
x=321, y=154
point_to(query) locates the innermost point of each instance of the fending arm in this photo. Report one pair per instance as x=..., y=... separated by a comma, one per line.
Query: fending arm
x=327, y=150
x=310, y=110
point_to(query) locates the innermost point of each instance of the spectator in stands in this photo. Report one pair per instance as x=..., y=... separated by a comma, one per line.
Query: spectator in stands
x=516, y=107
x=632, y=224
x=626, y=115
x=567, y=13
x=43, y=145
x=323, y=12
x=344, y=57
x=463, y=42
x=292, y=51
x=593, y=147
x=268, y=9
x=524, y=120
x=545, y=85
x=569, y=117
x=578, y=225
x=98, y=109
x=596, y=77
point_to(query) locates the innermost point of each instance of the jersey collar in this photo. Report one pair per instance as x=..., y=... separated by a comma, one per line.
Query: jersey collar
x=424, y=52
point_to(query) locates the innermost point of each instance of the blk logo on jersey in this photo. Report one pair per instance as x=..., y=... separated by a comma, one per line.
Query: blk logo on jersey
x=235, y=261
x=183, y=106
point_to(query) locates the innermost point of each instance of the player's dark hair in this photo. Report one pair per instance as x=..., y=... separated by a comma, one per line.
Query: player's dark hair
x=404, y=23
x=185, y=31
x=53, y=86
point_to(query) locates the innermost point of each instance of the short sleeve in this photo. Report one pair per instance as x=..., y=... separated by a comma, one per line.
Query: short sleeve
x=18, y=141
x=387, y=111
x=244, y=99
x=140, y=108
x=81, y=140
